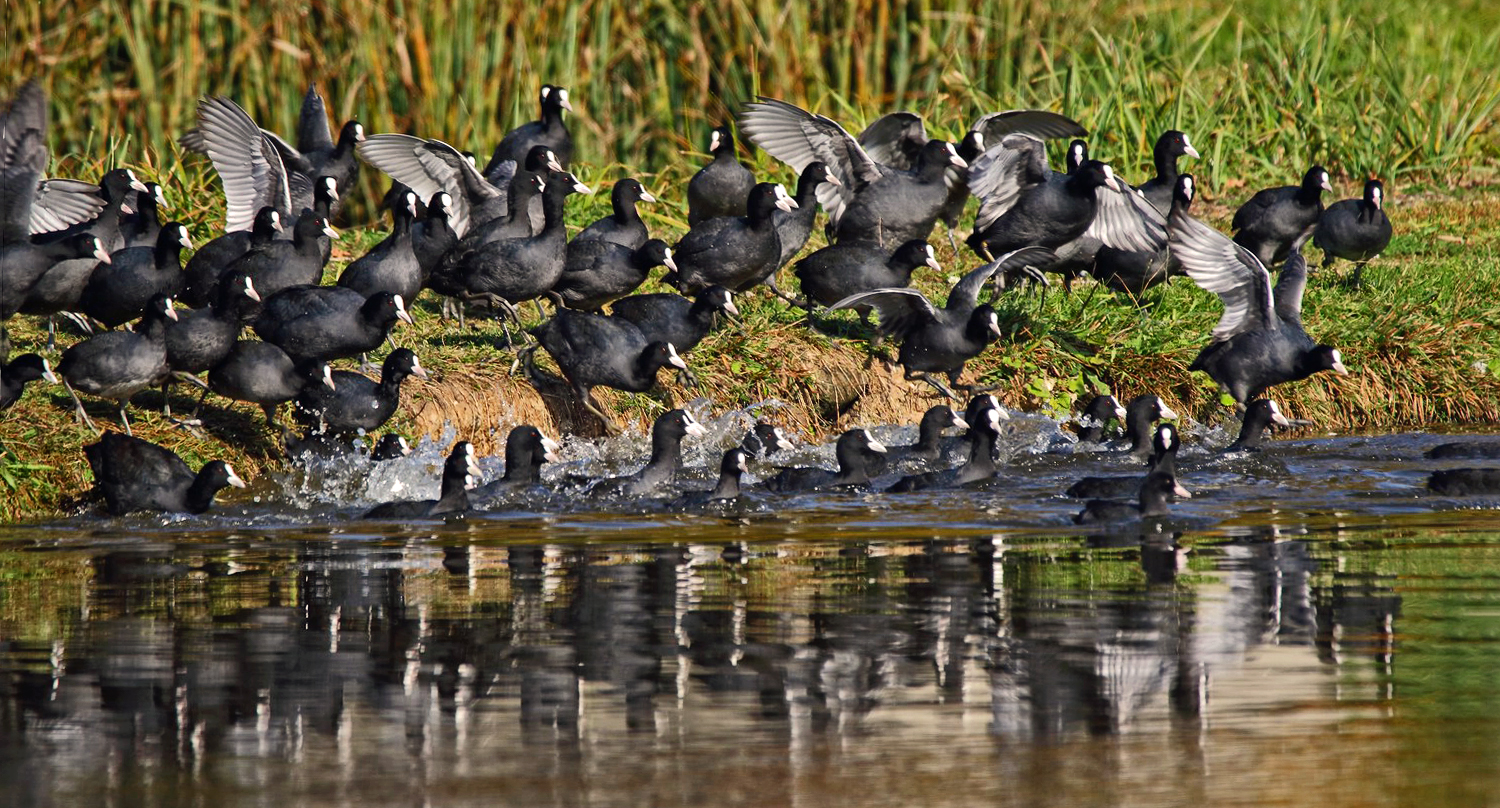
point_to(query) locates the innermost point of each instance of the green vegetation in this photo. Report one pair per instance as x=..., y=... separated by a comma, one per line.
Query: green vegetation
x=1369, y=89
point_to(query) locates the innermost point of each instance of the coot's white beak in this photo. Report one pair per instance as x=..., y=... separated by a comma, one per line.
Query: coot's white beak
x=330, y=232
x=955, y=159
x=562, y=100
x=730, y=307
x=959, y=422
x=401, y=313
x=1167, y=414
x=328, y=377
x=550, y=448
x=1276, y=416
x=136, y=184
x=783, y=201
x=420, y=372
x=47, y=373
x=580, y=188
x=781, y=442
x=1180, y=492
x=1338, y=364
x=674, y=359
x=995, y=416
x=552, y=162
x=234, y=479
x=694, y=428
x=250, y=290
x=1187, y=148
x=646, y=196
x=161, y=197
x=100, y=254
x=875, y=445
x=667, y=261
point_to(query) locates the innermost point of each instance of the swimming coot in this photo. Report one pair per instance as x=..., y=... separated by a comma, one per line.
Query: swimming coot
x=980, y=464
x=390, y=447
x=722, y=187
x=1258, y=342
x=1277, y=221
x=667, y=434
x=1354, y=229
x=1096, y=416
x=929, y=445
x=460, y=473
x=136, y=475
x=1465, y=482
x=1155, y=492
x=732, y=468
x=1259, y=416
x=1164, y=448
x=765, y=439
x=526, y=449
x=860, y=458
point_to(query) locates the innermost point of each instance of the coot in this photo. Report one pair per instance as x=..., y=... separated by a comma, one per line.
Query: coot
x=667, y=434
x=860, y=458
x=136, y=475
x=1355, y=229
x=460, y=473
x=722, y=187
x=356, y=403
x=1277, y=221
x=623, y=226
x=593, y=350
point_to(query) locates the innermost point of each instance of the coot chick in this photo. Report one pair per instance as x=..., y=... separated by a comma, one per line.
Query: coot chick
x=1258, y=342
x=460, y=473
x=599, y=271
x=665, y=317
x=860, y=458
x=201, y=275
x=980, y=464
x=390, y=266
x=736, y=252
x=1465, y=482
x=323, y=323
x=1158, y=190
x=282, y=264
x=1277, y=221
x=593, y=350
x=356, y=403
x=19, y=372
x=942, y=340
x=119, y=364
x=135, y=475
x=794, y=226
x=929, y=445
x=722, y=187
x=849, y=268
x=1096, y=416
x=732, y=468
x=623, y=226
x=390, y=447
x=261, y=373
x=1354, y=229
x=526, y=449
x=1259, y=416
x=1164, y=448
x=550, y=131
x=765, y=439
x=1156, y=490
x=117, y=292
x=667, y=434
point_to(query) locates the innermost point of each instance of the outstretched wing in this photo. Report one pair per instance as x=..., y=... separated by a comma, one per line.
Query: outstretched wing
x=1126, y=221
x=895, y=139
x=248, y=164
x=1223, y=267
x=1290, y=286
x=313, y=134
x=899, y=309
x=60, y=204
x=1038, y=123
x=27, y=110
x=427, y=167
x=965, y=293
x=798, y=137
x=1003, y=172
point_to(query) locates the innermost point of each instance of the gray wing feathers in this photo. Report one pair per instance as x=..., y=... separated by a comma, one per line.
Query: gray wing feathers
x=1126, y=221
x=797, y=137
x=895, y=139
x=998, y=176
x=62, y=203
x=892, y=303
x=1038, y=123
x=1226, y=269
x=966, y=292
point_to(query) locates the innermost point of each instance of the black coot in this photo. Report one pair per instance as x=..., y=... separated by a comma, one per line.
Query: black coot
x=929, y=445
x=141, y=227
x=665, y=317
x=135, y=475
x=390, y=447
x=1259, y=341
x=794, y=226
x=1134, y=271
x=860, y=458
x=1164, y=447
x=281, y=264
x=1141, y=414
x=764, y=440
x=323, y=323
x=599, y=271
x=47, y=278
x=550, y=131
x=937, y=340
x=119, y=364
x=356, y=403
x=1465, y=482
x=1155, y=492
x=317, y=154
x=851, y=267
x=19, y=372
x=732, y=468
x=980, y=464
x=1096, y=416
x=201, y=275
x=722, y=187
x=390, y=266
x=1277, y=221
x=1259, y=416
x=1355, y=229
x=667, y=434
x=200, y=339
x=593, y=350
x=433, y=236
x=736, y=252
x=460, y=473
x=261, y=373
x=1159, y=189
x=526, y=449
x=117, y=292
x=623, y=225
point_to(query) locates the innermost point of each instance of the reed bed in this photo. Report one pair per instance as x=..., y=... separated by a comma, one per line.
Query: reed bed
x=1396, y=90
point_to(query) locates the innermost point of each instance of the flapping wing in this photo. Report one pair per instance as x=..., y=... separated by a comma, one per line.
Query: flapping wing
x=1225, y=268
x=290, y=156
x=60, y=204
x=798, y=137
x=1289, y=288
x=427, y=167
x=1126, y=221
x=27, y=110
x=312, y=124
x=248, y=164
x=896, y=306
x=895, y=139
x=17, y=197
x=965, y=293
x=998, y=176
x=1037, y=123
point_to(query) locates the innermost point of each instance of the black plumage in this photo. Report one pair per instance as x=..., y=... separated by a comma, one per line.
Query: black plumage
x=1259, y=416
x=19, y=372
x=261, y=373
x=323, y=323
x=860, y=458
x=1159, y=189
x=391, y=265
x=118, y=292
x=549, y=130
x=135, y=475
x=667, y=433
x=1277, y=221
x=736, y=252
x=460, y=473
x=593, y=350
x=665, y=317
x=118, y=364
x=356, y=403
x=1354, y=229
x=1151, y=502
x=280, y=264
x=599, y=271
x=839, y=270
x=202, y=272
x=623, y=225
x=722, y=187
x=794, y=226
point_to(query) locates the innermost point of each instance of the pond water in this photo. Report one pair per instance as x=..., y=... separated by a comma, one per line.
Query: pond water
x=1312, y=627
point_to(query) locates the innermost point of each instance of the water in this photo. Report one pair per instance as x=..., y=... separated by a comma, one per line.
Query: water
x=1311, y=627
